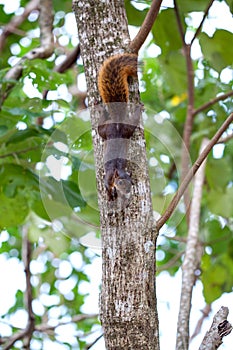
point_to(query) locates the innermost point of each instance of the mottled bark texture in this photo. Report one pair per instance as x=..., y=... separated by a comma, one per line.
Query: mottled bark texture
x=128, y=302
x=220, y=328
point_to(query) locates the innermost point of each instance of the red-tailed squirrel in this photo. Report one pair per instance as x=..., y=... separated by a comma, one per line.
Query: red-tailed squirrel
x=116, y=126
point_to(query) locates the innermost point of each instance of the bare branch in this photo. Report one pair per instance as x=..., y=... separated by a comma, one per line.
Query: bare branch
x=75, y=319
x=26, y=334
x=226, y=139
x=202, y=21
x=170, y=263
x=213, y=101
x=170, y=209
x=205, y=313
x=66, y=64
x=191, y=259
x=69, y=61
x=16, y=21
x=18, y=336
x=15, y=153
x=179, y=23
x=145, y=29
x=27, y=251
x=89, y=346
x=44, y=51
x=219, y=329
x=189, y=116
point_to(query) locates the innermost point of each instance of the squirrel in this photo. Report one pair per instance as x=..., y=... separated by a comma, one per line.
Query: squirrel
x=115, y=126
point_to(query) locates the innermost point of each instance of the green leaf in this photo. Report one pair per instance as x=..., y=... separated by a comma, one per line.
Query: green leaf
x=135, y=17
x=217, y=276
x=166, y=36
x=192, y=5
x=221, y=203
x=218, y=236
x=60, y=197
x=218, y=50
x=72, y=194
x=17, y=111
x=13, y=210
x=174, y=72
x=230, y=4
x=215, y=168
x=14, y=178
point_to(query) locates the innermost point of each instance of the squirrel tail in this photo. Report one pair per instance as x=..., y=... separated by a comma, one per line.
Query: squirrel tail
x=113, y=77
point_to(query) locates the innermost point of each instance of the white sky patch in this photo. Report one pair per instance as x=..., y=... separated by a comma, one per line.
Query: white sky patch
x=58, y=168
x=10, y=6
x=29, y=89
x=218, y=151
x=12, y=279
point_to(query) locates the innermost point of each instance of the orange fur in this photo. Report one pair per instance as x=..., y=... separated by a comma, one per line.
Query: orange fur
x=113, y=77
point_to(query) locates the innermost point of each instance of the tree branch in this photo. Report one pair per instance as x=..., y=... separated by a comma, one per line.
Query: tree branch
x=191, y=259
x=167, y=214
x=219, y=329
x=77, y=318
x=202, y=21
x=147, y=24
x=26, y=334
x=89, y=346
x=226, y=139
x=205, y=313
x=44, y=51
x=27, y=252
x=16, y=21
x=189, y=116
x=170, y=263
x=70, y=59
x=213, y=101
x=66, y=64
x=12, y=154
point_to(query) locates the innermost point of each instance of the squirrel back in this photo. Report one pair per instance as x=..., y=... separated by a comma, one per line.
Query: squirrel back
x=113, y=77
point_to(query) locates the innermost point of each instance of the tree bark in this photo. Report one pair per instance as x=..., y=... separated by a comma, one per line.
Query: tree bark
x=128, y=301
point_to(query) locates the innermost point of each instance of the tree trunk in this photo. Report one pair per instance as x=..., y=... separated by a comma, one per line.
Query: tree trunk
x=128, y=301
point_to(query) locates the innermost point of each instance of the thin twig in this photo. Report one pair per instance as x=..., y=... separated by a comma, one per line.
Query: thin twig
x=189, y=116
x=66, y=64
x=13, y=154
x=170, y=209
x=226, y=139
x=170, y=263
x=77, y=318
x=89, y=346
x=202, y=21
x=25, y=334
x=44, y=51
x=17, y=336
x=27, y=252
x=145, y=29
x=213, y=101
x=179, y=23
x=16, y=21
x=70, y=59
x=205, y=313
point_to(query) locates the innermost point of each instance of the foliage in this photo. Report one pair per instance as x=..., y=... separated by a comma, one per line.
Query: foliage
x=47, y=175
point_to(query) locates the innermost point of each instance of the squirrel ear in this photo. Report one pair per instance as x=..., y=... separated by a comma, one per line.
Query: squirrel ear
x=116, y=174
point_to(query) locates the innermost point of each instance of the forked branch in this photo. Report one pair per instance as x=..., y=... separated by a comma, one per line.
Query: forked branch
x=170, y=209
x=45, y=50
